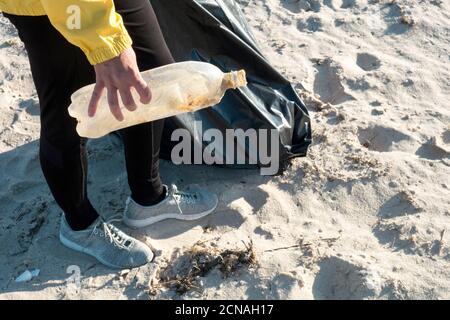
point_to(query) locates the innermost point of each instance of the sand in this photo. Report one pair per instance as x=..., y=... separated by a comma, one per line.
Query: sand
x=365, y=216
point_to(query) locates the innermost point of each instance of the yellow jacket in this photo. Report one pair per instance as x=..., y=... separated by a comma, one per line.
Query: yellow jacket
x=92, y=25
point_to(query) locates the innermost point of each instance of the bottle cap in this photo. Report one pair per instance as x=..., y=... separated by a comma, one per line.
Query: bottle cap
x=234, y=79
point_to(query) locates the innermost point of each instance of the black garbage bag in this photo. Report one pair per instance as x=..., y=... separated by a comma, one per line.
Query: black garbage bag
x=216, y=31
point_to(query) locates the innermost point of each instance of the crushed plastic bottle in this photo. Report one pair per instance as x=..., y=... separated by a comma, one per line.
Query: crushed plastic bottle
x=176, y=88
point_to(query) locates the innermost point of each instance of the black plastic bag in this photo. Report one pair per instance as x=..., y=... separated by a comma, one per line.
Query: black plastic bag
x=216, y=31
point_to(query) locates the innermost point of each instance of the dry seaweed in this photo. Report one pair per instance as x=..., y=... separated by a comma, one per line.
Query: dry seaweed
x=182, y=273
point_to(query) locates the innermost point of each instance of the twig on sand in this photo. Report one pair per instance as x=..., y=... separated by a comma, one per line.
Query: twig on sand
x=302, y=244
x=284, y=248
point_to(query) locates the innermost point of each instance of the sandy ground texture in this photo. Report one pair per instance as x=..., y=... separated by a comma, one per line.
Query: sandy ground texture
x=365, y=216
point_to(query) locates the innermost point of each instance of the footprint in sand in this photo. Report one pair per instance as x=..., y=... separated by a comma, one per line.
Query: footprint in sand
x=398, y=19
x=297, y=6
x=438, y=147
x=25, y=190
x=340, y=4
x=385, y=139
x=328, y=82
x=401, y=204
x=278, y=207
x=31, y=106
x=261, y=230
x=397, y=234
x=431, y=152
x=23, y=163
x=346, y=4
x=339, y=279
x=411, y=237
x=312, y=24
x=26, y=221
x=285, y=286
x=367, y=61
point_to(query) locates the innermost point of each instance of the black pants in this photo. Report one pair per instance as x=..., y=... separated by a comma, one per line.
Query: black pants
x=60, y=68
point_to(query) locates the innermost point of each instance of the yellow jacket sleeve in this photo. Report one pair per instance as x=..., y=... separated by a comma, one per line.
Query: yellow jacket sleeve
x=92, y=25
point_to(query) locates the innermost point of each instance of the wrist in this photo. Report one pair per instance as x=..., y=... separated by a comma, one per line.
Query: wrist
x=119, y=44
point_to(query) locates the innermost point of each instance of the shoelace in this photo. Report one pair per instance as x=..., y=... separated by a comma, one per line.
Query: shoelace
x=110, y=232
x=180, y=196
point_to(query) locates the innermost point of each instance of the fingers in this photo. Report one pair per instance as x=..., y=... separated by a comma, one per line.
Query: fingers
x=119, y=75
x=127, y=99
x=143, y=89
x=95, y=99
x=113, y=101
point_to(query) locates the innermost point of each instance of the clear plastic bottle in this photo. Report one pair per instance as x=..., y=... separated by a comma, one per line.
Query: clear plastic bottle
x=176, y=88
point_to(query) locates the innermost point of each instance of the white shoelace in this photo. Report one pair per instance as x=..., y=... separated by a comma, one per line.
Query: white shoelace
x=180, y=196
x=111, y=233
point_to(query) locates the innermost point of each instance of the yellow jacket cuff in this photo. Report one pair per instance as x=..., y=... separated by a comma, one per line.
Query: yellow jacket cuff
x=116, y=45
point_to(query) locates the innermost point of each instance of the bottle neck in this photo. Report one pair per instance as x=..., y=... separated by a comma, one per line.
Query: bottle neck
x=234, y=79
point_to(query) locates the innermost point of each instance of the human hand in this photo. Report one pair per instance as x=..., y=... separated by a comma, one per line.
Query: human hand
x=119, y=74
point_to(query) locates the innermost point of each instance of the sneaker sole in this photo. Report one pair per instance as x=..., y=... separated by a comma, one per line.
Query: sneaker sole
x=135, y=224
x=76, y=247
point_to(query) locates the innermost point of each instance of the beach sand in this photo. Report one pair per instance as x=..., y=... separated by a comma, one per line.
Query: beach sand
x=366, y=215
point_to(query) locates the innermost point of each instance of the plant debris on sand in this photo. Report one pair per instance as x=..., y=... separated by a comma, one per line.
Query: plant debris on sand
x=183, y=272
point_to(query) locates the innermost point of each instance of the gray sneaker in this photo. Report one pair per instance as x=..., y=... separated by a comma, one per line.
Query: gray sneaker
x=179, y=205
x=107, y=244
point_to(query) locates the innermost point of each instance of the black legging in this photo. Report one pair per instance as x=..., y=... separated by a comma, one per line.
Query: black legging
x=60, y=68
